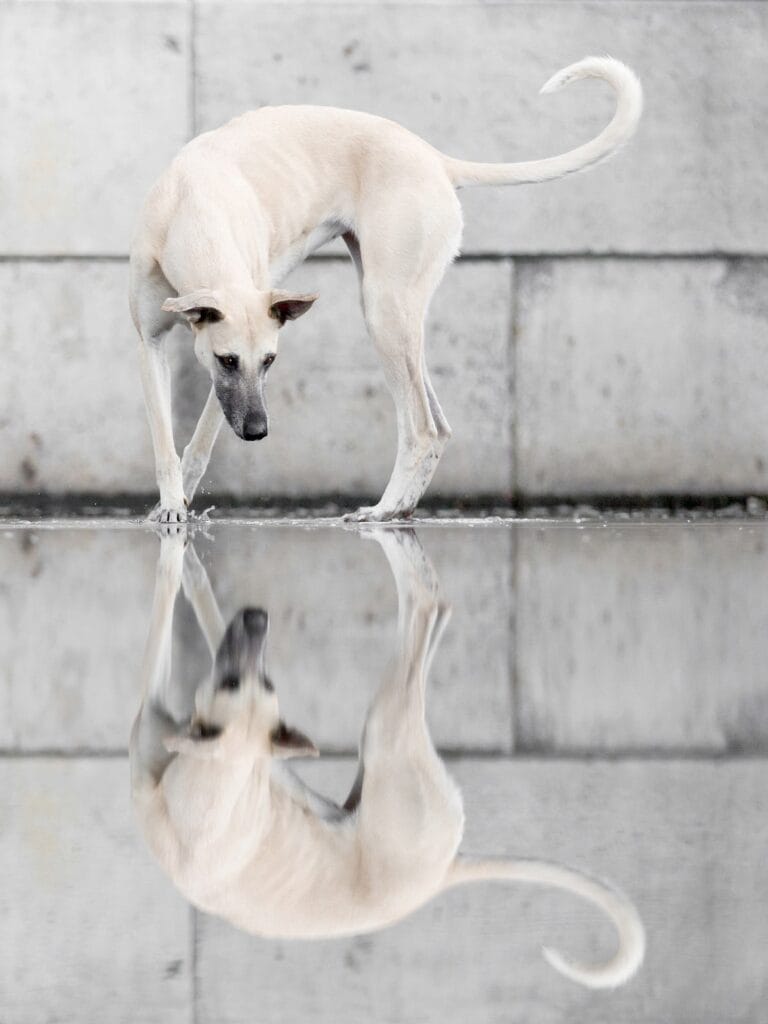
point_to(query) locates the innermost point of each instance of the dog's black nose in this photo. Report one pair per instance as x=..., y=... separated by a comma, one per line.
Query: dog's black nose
x=254, y=428
x=255, y=619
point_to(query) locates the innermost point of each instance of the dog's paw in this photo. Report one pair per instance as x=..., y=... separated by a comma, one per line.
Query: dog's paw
x=168, y=519
x=377, y=514
x=360, y=515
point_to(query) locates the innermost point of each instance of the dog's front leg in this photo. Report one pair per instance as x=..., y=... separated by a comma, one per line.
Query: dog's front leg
x=197, y=454
x=156, y=380
x=154, y=721
x=199, y=592
x=156, y=664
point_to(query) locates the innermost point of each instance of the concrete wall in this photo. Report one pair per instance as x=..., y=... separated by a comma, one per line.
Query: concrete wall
x=605, y=335
x=96, y=932
x=610, y=640
x=600, y=691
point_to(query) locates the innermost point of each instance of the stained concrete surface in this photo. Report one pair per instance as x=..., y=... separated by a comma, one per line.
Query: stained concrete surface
x=599, y=697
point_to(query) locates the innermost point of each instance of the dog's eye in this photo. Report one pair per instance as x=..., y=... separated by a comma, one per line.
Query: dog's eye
x=268, y=360
x=230, y=682
x=229, y=362
x=268, y=685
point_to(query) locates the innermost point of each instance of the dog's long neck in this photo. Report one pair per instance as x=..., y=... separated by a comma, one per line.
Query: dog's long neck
x=217, y=244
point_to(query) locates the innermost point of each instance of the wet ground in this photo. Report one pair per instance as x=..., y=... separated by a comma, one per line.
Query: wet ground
x=598, y=691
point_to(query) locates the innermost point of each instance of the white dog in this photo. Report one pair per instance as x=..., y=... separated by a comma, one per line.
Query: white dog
x=241, y=206
x=244, y=838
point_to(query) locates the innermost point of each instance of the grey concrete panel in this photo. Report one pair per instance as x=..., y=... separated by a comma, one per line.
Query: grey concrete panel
x=75, y=611
x=642, y=639
x=95, y=100
x=637, y=376
x=74, y=614
x=474, y=954
x=466, y=78
x=72, y=414
x=90, y=930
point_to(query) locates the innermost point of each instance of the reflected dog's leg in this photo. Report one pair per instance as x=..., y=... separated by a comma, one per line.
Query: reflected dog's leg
x=407, y=801
x=153, y=724
x=199, y=592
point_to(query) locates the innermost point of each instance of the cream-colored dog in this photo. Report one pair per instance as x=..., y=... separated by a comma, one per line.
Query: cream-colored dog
x=241, y=206
x=244, y=838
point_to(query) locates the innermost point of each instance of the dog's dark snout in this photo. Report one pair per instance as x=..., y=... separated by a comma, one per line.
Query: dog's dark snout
x=255, y=428
x=255, y=620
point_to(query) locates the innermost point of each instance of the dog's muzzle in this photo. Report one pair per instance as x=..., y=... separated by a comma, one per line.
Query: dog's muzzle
x=255, y=428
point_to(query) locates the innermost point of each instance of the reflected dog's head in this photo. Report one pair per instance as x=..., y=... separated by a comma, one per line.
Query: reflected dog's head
x=236, y=334
x=236, y=708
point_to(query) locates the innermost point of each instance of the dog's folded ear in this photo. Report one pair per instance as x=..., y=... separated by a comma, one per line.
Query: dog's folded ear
x=290, y=742
x=287, y=306
x=200, y=307
x=199, y=740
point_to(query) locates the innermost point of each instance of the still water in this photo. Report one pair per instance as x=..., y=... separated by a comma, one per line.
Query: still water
x=264, y=773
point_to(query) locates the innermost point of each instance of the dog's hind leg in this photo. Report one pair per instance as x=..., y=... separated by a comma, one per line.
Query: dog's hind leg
x=401, y=250
x=444, y=431
x=416, y=582
x=407, y=800
x=397, y=332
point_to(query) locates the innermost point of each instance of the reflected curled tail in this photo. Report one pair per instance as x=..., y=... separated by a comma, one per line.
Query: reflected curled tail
x=631, y=934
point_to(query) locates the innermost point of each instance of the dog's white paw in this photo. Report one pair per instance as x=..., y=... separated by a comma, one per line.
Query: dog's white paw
x=377, y=514
x=168, y=517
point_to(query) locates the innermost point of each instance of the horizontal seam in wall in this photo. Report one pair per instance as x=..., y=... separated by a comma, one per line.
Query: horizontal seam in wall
x=125, y=504
x=454, y=754
x=470, y=257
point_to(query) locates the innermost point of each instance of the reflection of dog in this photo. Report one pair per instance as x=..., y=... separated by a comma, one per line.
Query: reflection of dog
x=241, y=206
x=244, y=838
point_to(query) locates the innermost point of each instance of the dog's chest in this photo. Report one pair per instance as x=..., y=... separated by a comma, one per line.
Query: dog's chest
x=289, y=254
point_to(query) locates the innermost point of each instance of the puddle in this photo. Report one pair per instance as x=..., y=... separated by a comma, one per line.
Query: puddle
x=567, y=727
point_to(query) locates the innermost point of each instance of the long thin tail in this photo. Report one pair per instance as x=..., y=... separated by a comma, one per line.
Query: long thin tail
x=628, y=957
x=629, y=107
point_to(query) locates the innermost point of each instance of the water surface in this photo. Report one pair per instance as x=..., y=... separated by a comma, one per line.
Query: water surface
x=598, y=694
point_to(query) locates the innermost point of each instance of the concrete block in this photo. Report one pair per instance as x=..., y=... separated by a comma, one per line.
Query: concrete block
x=75, y=610
x=90, y=929
x=332, y=605
x=639, y=376
x=74, y=615
x=625, y=638
x=642, y=639
x=466, y=78
x=332, y=421
x=73, y=415
x=474, y=954
x=95, y=100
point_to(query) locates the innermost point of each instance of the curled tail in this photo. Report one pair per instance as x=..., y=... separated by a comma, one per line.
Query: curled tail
x=628, y=957
x=629, y=107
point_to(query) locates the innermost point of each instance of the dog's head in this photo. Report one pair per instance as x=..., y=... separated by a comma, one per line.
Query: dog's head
x=236, y=333
x=236, y=709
